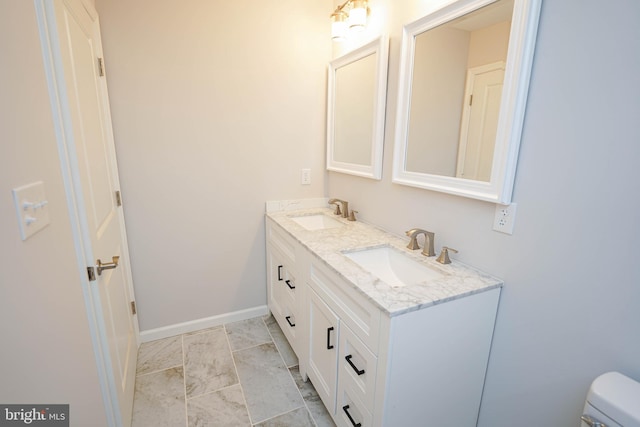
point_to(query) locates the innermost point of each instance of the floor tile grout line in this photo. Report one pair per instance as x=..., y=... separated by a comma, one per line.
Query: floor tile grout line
x=223, y=328
x=235, y=367
x=276, y=344
x=280, y=414
x=184, y=380
x=253, y=346
x=213, y=391
x=304, y=402
x=159, y=370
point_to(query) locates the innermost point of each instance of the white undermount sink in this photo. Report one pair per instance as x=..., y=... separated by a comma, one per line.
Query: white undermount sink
x=393, y=267
x=316, y=222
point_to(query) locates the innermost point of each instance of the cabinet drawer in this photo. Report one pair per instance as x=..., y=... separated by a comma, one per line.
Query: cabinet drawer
x=286, y=316
x=360, y=315
x=281, y=240
x=357, y=367
x=283, y=278
x=351, y=412
x=282, y=283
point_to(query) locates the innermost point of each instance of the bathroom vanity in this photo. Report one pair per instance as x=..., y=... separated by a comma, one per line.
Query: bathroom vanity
x=387, y=336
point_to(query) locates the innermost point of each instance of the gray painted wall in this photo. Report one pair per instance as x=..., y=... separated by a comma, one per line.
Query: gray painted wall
x=216, y=107
x=570, y=309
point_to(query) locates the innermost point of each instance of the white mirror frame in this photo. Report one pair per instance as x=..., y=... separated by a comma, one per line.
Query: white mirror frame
x=514, y=97
x=380, y=47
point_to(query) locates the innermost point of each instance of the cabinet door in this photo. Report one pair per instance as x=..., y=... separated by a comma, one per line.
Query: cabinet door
x=323, y=350
x=275, y=292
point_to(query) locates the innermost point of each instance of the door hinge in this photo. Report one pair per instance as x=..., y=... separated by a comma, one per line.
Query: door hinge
x=91, y=272
x=118, y=198
x=101, y=67
x=133, y=307
x=470, y=100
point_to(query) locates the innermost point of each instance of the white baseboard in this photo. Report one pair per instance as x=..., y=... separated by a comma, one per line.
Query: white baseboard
x=207, y=322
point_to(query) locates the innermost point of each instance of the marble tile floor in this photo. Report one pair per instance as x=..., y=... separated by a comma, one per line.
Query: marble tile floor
x=239, y=374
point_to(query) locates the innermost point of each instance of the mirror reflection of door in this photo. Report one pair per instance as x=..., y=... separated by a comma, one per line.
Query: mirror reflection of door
x=444, y=136
x=483, y=93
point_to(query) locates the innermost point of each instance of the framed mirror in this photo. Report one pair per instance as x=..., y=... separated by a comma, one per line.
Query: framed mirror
x=357, y=88
x=464, y=80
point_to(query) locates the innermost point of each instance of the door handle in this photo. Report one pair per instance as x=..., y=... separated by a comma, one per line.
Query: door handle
x=107, y=265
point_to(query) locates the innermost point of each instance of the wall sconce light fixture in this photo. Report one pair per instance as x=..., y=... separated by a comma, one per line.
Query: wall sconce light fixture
x=352, y=14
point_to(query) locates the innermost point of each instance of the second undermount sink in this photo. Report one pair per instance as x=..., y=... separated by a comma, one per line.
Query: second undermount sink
x=316, y=222
x=393, y=267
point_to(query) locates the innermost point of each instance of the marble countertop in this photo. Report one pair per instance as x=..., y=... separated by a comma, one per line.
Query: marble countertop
x=457, y=280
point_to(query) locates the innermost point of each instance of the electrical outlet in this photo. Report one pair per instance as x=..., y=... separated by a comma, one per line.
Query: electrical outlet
x=504, y=218
x=305, y=177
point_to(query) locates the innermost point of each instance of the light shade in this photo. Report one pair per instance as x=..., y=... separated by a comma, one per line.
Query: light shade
x=338, y=25
x=358, y=15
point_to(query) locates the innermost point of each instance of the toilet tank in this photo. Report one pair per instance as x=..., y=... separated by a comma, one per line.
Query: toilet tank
x=613, y=400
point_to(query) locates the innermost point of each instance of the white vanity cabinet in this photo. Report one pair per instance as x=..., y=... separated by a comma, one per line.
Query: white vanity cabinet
x=344, y=336
x=423, y=366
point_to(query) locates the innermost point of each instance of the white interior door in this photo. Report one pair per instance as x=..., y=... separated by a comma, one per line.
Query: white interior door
x=78, y=86
x=479, y=125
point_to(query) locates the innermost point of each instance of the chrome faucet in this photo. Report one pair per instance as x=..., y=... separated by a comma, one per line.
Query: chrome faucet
x=429, y=238
x=345, y=207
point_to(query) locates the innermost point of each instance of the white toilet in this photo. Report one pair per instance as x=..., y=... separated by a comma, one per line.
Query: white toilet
x=613, y=401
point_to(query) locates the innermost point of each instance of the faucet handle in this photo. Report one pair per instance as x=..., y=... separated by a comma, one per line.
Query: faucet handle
x=413, y=234
x=443, y=258
x=336, y=202
x=352, y=215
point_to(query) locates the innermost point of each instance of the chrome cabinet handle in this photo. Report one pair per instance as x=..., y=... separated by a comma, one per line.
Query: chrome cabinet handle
x=107, y=265
x=592, y=422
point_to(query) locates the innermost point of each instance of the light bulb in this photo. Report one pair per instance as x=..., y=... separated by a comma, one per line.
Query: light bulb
x=358, y=15
x=338, y=26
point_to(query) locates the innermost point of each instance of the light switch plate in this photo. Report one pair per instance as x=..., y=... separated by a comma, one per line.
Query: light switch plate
x=31, y=207
x=305, y=176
